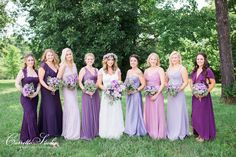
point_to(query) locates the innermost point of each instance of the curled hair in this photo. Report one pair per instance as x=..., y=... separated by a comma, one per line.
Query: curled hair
x=205, y=65
x=105, y=59
x=25, y=59
x=135, y=56
x=172, y=54
x=55, y=59
x=155, y=55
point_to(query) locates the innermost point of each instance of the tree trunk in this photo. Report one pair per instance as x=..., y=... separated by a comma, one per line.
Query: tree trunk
x=226, y=59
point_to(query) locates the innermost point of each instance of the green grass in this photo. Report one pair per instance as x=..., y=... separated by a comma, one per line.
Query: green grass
x=223, y=146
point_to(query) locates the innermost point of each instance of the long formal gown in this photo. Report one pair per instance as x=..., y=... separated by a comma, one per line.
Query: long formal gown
x=29, y=129
x=90, y=110
x=177, y=114
x=111, y=123
x=71, y=114
x=203, y=120
x=154, y=114
x=134, y=123
x=50, y=114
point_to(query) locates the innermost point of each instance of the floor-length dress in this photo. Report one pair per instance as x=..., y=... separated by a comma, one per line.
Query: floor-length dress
x=134, y=122
x=90, y=110
x=71, y=114
x=50, y=114
x=111, y=123
x=154, y=114
x=29, y=128
x=177, y=114
x=203, y=121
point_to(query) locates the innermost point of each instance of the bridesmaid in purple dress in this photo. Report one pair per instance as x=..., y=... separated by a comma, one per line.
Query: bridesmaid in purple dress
x=203, y=121
x=134, y=124
x=177, y=114
x=71, y=114
x=154, y=112
x=90, y=100
x=29, y=130
x=50, y=114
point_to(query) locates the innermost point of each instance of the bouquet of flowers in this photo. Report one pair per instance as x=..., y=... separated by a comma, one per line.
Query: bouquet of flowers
x=200, y=89
x=28, y=89
x=89, y=86
x=54, y=83
x=71, y=81
x=129, y=85
x=150, y=90
x=114, y=91
x=172, y=90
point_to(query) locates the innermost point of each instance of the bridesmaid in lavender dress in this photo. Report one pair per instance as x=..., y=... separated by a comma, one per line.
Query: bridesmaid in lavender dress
x=90, y=101
x=50, y=114
x=134, y=124
x=203, y=120
x=177, y=114
x=154, y=113
x=29, y=130
x=71, y=114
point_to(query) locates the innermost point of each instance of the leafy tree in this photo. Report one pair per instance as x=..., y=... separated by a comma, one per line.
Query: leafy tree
x=223, y=29
x=10, y=62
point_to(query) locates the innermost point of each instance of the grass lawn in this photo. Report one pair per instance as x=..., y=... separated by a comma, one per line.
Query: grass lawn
x=223, y=146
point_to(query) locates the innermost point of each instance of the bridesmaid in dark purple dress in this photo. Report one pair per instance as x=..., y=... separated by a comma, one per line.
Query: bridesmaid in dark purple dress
x=90, y=101
x=203, y=121
x=50, y=114
x=29, y=130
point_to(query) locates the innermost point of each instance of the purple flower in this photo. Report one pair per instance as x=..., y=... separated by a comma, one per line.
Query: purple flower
x=172, y=89
x=150, y=90
x=71, y=81
x=200, y=89
x=28, y=89
x=53, y=82
x=114, y=90
x=90, y=86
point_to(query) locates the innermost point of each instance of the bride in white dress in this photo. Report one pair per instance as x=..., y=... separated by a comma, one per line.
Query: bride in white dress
x=111, y=123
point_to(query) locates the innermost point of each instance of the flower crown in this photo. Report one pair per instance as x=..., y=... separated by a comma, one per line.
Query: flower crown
x=106, y=56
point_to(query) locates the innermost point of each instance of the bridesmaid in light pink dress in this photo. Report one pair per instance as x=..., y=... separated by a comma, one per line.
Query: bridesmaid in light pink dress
x=154, y=114
x=71, y=114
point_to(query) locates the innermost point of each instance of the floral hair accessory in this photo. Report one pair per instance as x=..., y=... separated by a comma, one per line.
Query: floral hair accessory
x=106, y=56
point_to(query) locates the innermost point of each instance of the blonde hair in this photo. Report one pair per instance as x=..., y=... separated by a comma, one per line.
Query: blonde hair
x=105, y=59
x=155, y=55
x=89, y=54
x=172, y=54
x=63, y=55
x=55, y=59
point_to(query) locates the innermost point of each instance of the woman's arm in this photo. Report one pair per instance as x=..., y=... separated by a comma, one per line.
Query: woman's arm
x=80, y=79
x=41, y=76
x=19, y=77
x=61, y=71
x=184, y=75
x=100, y=77
x=142, y=81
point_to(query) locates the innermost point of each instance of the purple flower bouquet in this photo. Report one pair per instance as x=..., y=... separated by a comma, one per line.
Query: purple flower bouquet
x=28, y=89
x=54, y=83
x=114, y=91
x=150, y=90
x=89, y=86
x=129, y=85
x=200, y=89
x=71, y=81
x=172, y=90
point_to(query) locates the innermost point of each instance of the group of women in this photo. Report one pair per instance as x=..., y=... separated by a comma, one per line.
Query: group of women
x=100, y=117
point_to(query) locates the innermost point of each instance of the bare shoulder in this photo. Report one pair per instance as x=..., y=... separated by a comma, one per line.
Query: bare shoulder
x=160, y=69
x=139, y=72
